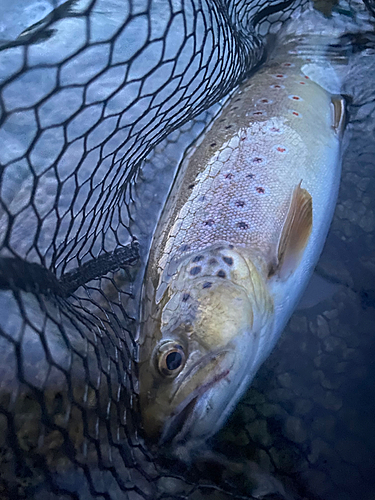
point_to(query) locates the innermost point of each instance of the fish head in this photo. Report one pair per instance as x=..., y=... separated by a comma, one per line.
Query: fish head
x=203, y=343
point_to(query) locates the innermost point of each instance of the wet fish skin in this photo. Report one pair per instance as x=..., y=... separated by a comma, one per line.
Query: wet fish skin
x=239, y=237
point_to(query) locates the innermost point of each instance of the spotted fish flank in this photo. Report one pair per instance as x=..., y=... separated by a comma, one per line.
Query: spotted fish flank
x=239, y=237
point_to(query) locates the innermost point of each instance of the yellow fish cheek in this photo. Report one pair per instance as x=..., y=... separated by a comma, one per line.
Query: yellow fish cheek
x=222, y=315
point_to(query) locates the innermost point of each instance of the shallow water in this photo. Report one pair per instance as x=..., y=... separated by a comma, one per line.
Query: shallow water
x=308, y=417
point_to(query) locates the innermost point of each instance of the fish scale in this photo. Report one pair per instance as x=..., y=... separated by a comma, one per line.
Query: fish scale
x=244, y=172
x=244, y=224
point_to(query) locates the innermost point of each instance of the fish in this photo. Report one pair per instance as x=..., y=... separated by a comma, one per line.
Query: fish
x=238, y=239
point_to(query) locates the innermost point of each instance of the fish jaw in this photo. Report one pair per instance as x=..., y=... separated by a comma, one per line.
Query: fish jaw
x=219, y=324
x=193, y=407
x=169, y=407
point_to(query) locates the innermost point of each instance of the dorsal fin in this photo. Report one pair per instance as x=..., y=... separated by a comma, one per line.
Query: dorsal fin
x=295, y=233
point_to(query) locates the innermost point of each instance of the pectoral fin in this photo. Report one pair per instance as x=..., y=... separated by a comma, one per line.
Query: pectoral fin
x=295, y=233
x=338, y=119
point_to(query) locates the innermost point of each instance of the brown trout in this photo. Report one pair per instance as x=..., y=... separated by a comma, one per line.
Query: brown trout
x=237, y=242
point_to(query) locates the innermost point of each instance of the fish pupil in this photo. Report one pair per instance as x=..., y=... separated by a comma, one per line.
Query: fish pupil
x=173, y=360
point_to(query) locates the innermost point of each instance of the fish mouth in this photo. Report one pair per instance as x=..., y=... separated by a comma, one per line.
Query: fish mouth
x=181, y=419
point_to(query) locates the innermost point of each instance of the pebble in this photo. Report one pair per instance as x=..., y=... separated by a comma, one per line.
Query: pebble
x=258, y=432
x=331, y=401
x=285, y=380
x=323, y=329
x=271, y=410
x=332, y=314
x=294, y=430
x=367, y=223
x=248, y=413
x=298, y=324
x=285, y=458
x=303, y=406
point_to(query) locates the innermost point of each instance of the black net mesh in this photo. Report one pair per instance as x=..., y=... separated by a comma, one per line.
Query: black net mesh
x=86, y=97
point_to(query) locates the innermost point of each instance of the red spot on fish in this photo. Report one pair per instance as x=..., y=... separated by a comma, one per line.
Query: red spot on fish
x=287, y=64
x=296, y=98
x=242, y=225
x=274, y=129
x=264, y=100
x=258, y=113
x=302, y=83
x=280, y=149
x=229, y=176
x=257, y=159
x=260, y=190
x=295, y=113
x=307, y=78
x=209, y=222
x=280, y=76
x=243, y=139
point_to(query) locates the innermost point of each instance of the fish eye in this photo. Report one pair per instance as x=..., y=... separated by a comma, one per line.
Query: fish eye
x=171, y=359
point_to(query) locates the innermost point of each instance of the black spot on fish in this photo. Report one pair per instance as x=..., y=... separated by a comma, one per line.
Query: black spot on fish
x=228, y=126
x=198, y=258
x=257, y=159
x=213, y=144
x=260, y=190
x=190, y=186
x=250, y=176
x=221, y=274
x=195, y=270
x=229, y=176
x=184, y=248
x=185, y=297
x=207, y=284
x=228, y=260
x=231, y=246
x=212, y=261
x=242, y=225
x=240, y=203
x=209, y=222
